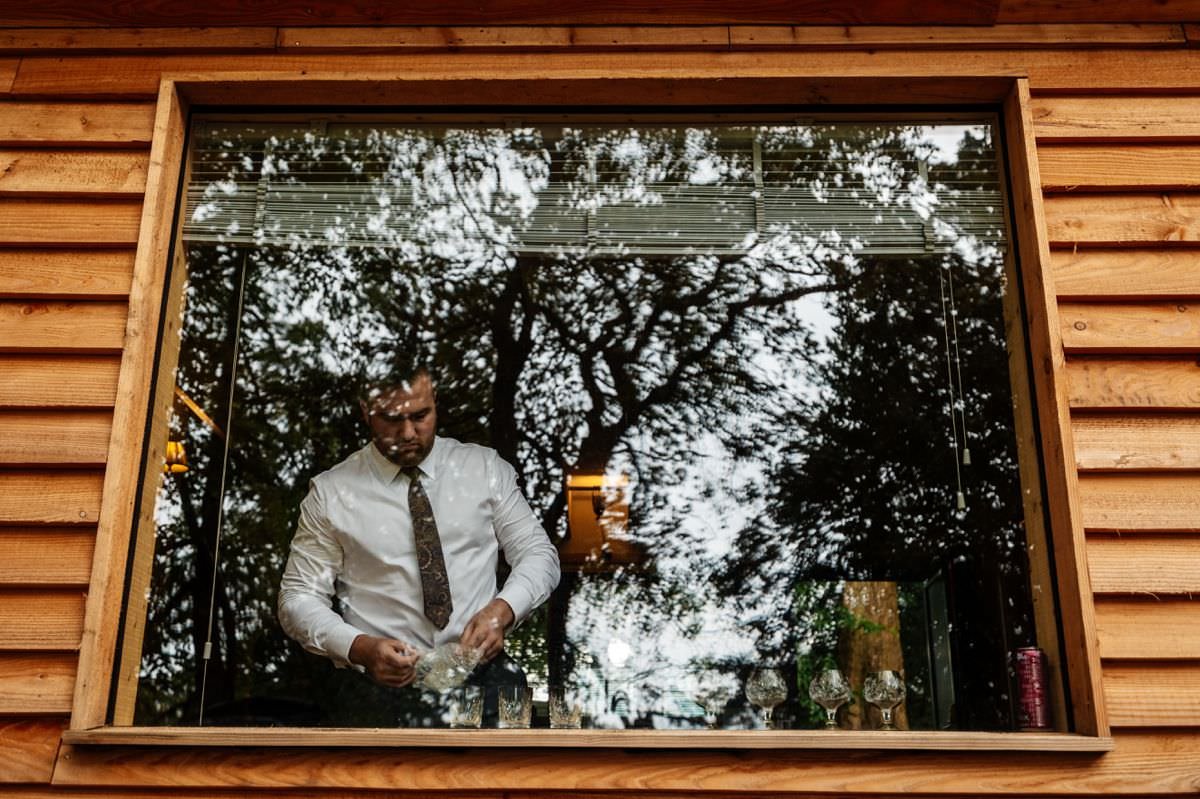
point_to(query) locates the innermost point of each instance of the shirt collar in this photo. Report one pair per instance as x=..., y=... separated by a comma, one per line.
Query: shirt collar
x=388, y=471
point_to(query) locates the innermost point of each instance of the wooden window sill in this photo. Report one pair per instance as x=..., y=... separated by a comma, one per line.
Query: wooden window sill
x=575, y=739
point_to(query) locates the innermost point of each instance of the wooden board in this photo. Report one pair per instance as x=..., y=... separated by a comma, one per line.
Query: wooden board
x=41, y=620
x=1122, y=503
x=8, y=73
x=46, y=124
x=1122, y=219
x=36, y=684
x=139, y=76
x=1095, y=11
x=49, y=381
x=1152, y=694
x=31, y=496
x=1144, y=383
x=1145, y=564
x=69, y=222
x=524, y=38
x=1106, y=167
x=1148, y=628
x=72, y=173
x=1105, y=442
x=77, y=40
x=1126, y=274
x=1164, y=327
x=54, y=438
x=946, y=37
x=29, y=748
x=46, y=555
x=65, y=274
x=77, y=327
x=1096, y=119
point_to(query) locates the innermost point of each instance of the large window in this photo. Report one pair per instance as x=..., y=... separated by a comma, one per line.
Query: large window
x=761, y=382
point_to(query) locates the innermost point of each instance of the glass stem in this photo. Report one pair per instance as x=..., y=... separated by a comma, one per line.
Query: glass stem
x=767, y=722
x=831, y=718
x=887, y=718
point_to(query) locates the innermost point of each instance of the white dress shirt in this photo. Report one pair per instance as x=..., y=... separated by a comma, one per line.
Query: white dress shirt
x=354, y=540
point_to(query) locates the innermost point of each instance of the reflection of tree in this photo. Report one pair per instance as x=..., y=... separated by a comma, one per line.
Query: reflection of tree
x=569, y=356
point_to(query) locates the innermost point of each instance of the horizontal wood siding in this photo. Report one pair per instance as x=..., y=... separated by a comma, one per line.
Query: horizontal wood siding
x=1116, y=113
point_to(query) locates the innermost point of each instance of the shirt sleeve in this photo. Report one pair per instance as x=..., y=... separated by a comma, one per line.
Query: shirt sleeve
x=307, y=588
x=527, y=548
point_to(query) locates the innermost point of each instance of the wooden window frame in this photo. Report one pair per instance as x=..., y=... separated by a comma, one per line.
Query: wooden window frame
x=135, y=441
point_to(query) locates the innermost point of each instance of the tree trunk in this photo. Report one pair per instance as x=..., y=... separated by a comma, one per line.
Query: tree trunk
x=870, y=641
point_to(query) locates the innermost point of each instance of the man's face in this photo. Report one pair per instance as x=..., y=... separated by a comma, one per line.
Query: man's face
x=403, y=420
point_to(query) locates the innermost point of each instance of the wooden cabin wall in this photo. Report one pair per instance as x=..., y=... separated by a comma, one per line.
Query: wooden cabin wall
x=1116, y=111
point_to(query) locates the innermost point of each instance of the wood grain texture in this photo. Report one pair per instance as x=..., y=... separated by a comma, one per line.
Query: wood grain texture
x=103, y=173
x=1143, y=502
x=1096, y=11
x=48, y=381
x=48, y=124
x=1148, y=628
x=1162, y=327
x=1106, y=167
x=1140, y=764
x=1158, y=442
x=1122, y=219
x=46, y=555
x=65, y=274
x=1050, y=70
x=80, y=40
x=948, y=37
x=1126, y=274
x=41, y=620
x=1099, y=119
x=1152, y=384
x=31, y=496
x=76, y=327
x=523, y=38
x=54, y=438
x=29, y=747
x=36, y=684
x=69, y=222
x=8, y=73
x=1145, y=564
x=1152, y=694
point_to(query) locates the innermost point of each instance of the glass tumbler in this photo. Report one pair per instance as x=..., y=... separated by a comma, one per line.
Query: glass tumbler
x=516, y=707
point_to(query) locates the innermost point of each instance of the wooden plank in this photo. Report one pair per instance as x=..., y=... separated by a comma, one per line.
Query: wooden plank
x=104, y=173
x=1191, y=32
x=45, y=620
x=1148, y=628
x=524, y=38
x=1152, y=694
x=1106, y=167
x=1143, y=502
x=1145, y=564
x=54, y=438
x=50, y=497
x=8, y=73
x=1140, y=765
x=1162, y=327
x=1050, y=70
x=1095, y=11
x=1122, y=219
x=69, y=222
x=49, y=124
x=881, y=37
x=29, y=748
x=1153, y=384
x=65, y=274
x=1126, y=274
x=1096, y=119
x=36, y=684
x=79, y=40
x=47, y=381
x=46, y=555
x=62, y=326
x=1145, y=442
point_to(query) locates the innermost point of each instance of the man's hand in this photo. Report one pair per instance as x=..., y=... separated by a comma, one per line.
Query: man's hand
x=485, y=630
x=387, y=660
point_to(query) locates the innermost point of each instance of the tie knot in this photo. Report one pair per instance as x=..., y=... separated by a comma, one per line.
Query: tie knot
x=411, y=472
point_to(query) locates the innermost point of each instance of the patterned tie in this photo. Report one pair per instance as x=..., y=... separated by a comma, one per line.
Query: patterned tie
x=435, y=585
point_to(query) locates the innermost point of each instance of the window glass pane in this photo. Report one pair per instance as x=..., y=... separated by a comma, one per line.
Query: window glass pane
x=753, y=380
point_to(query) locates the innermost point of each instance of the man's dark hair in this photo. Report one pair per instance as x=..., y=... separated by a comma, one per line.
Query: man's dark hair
x=372, y=385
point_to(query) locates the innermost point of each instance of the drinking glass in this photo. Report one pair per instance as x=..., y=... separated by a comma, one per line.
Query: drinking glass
x=466, y=706
x=714, y=700
x=766, y=688
x=885, y=690
x=566, y=709
x=516, y=707
x=830, y=690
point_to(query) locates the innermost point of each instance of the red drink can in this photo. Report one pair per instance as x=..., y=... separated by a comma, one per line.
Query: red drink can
x=1033, y=707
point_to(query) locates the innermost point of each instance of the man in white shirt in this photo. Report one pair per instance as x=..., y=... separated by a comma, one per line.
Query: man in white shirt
x=358, y=540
